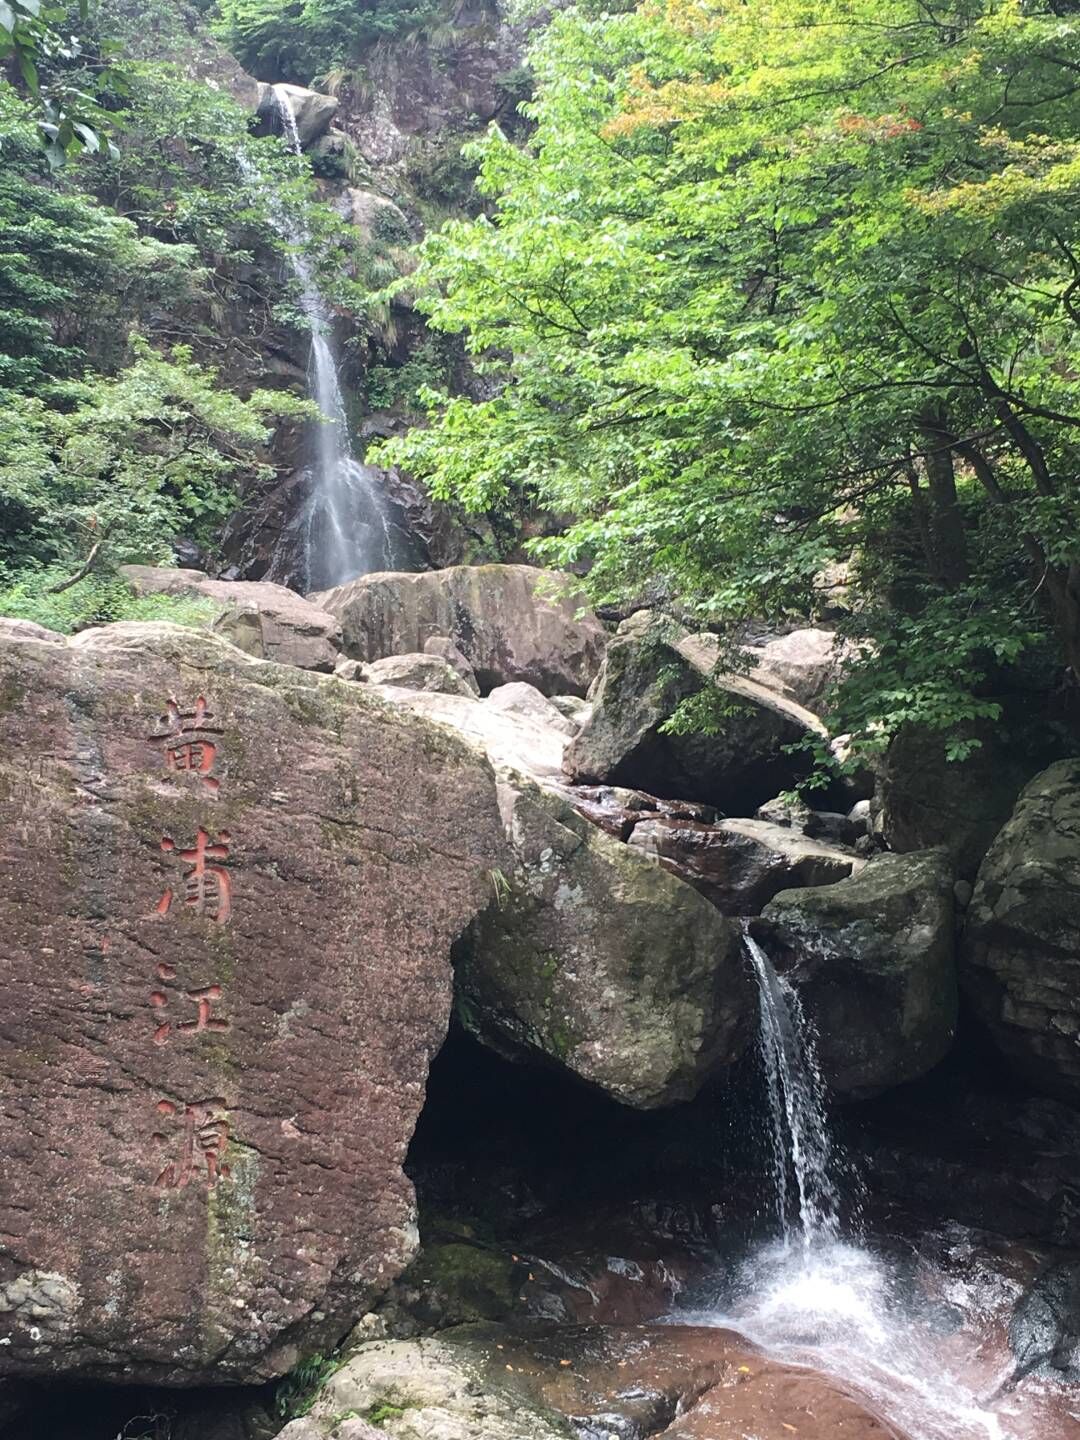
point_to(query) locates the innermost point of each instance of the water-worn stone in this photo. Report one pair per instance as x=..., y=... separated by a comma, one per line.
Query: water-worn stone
x=595, y=960
x=874, y=963
x=511, y=742
x=518, y=698
x=651, y=666
x=418, y=672
x=741, y=864
x=1020, y=958
x=801, y=665
x=228, y=893
x=445, y=648
x=311, y=110
x=268, y=621
x=511, y=622
x=429, y=1389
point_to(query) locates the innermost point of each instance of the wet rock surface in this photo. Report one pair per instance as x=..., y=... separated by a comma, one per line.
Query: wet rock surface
x=1045, y=1328
x=211, y=1125
x=741, y=864
x=1020, y=959
x=873, y=959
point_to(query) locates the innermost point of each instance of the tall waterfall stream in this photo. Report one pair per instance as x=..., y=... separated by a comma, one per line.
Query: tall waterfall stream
x=345, y=523
x=833, y=1302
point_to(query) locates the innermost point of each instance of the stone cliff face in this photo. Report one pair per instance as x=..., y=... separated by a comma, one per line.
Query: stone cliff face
x=228, y=893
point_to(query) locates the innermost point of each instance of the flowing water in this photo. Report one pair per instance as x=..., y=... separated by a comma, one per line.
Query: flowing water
x=345, y=525
x=921, y=1333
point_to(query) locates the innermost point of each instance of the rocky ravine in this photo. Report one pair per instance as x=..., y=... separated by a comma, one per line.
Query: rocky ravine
x=232, y=892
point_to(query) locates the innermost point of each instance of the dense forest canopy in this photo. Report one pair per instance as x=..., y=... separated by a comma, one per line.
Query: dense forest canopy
x=782, y=295
x=776, y=303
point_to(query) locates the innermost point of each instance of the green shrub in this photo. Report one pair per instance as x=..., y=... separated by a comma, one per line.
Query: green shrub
x=97, y=600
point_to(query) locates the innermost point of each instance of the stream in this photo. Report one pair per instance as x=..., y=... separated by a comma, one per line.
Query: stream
x=920, y=1335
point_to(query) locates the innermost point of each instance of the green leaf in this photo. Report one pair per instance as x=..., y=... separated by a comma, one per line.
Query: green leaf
x=28, y=71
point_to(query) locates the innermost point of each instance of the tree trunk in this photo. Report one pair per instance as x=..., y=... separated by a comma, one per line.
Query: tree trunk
x=947, y=558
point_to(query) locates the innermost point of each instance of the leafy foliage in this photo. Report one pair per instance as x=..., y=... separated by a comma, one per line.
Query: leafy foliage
x=38, y=39
x=780, y=293
x=142, y=458
x=72, y=274
x=300, y=39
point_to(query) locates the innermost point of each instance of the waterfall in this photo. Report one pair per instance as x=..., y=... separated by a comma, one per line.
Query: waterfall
x=831, y=1302
x=345, y=523
x=800, y=1140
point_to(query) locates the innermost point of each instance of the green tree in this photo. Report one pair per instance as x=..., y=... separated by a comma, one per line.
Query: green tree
x=299, y=40
x=780, y=287
x=154, y=454
x=73, y=274
x=40, y=41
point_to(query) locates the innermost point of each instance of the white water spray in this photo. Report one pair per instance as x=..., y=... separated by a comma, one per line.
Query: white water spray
x=909, y=1340
x=801, y=1143
x=346, y=527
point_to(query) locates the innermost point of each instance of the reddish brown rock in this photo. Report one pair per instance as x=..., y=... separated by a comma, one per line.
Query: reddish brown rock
x=212, y=1063
x=740, y=864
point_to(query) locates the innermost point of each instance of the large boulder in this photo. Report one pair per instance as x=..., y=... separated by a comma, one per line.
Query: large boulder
x=511, y=741
x=417, y=672
x=1020, y=960
x=379, y=221
x=268, y=621
x=741, y=864
x=651, y=666
x=595, y=960
x=801, y=665
x=311, y=110
x=517, y=698
x=926, y=800
x=511, y=622
x=873, y=959
x=228, y=895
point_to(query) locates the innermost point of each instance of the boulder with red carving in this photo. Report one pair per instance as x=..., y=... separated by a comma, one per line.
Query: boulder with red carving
x=228, y=894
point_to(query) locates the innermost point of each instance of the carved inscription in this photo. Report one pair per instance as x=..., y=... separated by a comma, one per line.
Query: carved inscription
x=184, y=735
x=207, y=889
x=192, y=1136
x=198, y=1137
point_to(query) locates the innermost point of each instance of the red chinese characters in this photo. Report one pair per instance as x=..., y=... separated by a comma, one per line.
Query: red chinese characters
x=197, y=1133
x=207, y=888
x=184, y=737
x=199, y=1140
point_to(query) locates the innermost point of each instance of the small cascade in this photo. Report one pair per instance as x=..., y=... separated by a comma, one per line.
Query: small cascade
x=802, y=1145
x=346, y=528
x=834, y=1303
